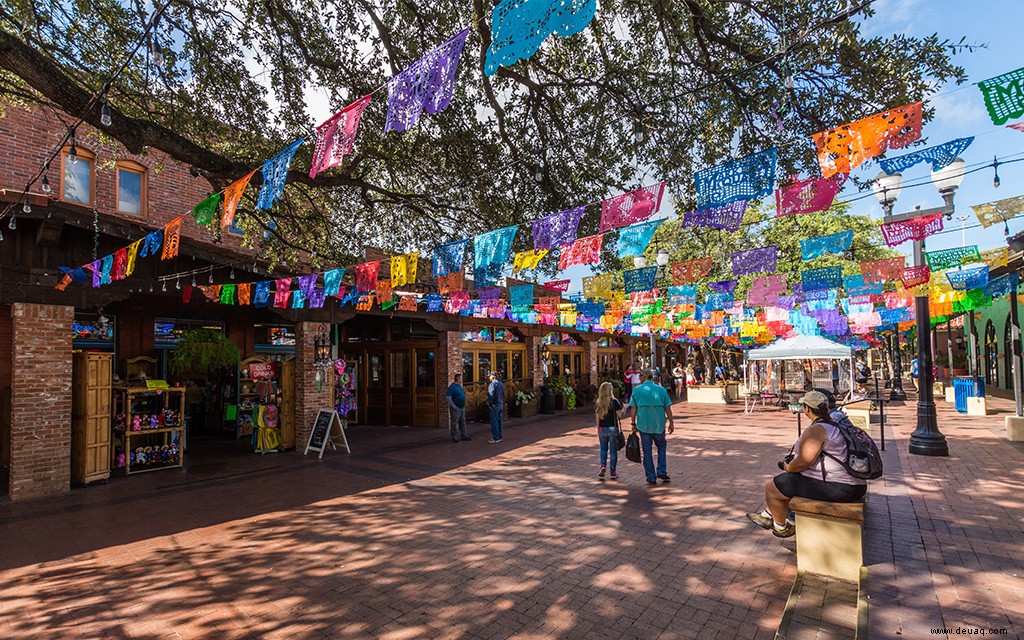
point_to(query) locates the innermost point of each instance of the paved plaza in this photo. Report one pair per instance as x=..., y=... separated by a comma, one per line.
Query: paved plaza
x=412, y=536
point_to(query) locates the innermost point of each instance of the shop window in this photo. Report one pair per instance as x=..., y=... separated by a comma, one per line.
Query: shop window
x=506, y=335
x=991, y=355
x=577, y=364
x=483, y=366
x=517, y=365
x=467, y=368
x=424, y=369
x=131, y=188
x=501, y=364
x=78, y=177
x=478, y=334
x=399, y=370
x=92, y=331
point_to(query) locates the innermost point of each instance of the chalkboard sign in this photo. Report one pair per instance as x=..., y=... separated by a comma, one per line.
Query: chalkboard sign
x=320, y=436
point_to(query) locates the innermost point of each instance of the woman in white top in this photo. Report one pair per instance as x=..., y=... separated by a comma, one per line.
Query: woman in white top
x=807, y=472
x=677, y=378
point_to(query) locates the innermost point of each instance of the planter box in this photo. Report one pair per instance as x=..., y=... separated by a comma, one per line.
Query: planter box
x=559, y=402
x=706, y=395
x=523, y=410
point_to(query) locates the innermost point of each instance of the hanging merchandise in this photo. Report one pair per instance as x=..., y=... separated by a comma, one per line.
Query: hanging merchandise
x=916, y=276
x=1002, y=285
x=745, y=178
x=845, y=148
x=964, y=279
x=204, y=212
x=519, y=27
x=232, y=196
x=690, y=270
x=1004, y=96
x=811, y=248
x=366, y=276
x=403, y=269
x=426, y=85
x=939, y=156
x=883, y=270
x=449, y=257
x=639, y=279
x=728, y=216
x=556, y=230
x=598, y=287
x=332, y=281
x=584, y=251
x=808, y=196
x=998, y=211
x=336, y=136
x=172, y=238
x=919, y=228
x=633, y=240
x=631, y=207
x=947, y=258
x=756, y=260
x=528, y=259
x=275, y=174
x=490, y=253
x=824, y=278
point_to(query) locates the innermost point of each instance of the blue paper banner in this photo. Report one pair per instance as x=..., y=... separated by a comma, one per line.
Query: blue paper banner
x=637, y=280
x=746, y=178
x=592, y=310
x=939, y=156
x=819, y=279
x=492, y=248
x=633, y=240
x=683, y=294
x=855, y=286
x=152, y=243
x=718, y=300
x=332, y=281
x=448, y=258
x=723, y=286
x=435, y=302
x=519, y=27
x=521, y=295
x=261, y=294
x=811, y=248
x=275, y=173
x=964, y=279
x=1002, y=285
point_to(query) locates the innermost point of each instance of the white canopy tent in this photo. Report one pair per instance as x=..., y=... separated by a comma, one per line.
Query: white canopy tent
x=802, y=347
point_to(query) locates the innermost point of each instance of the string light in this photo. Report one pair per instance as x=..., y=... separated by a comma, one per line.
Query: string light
x=151, y=287
x=105, y=118
x=538, y=174
x=46, y=179
x=157, y=52
x=995, y=169
x=26, y=207
x=232, y=274
x=164, y=288
x=177, y=284
x=13, y=224
x=211, y=276
x=193, y=280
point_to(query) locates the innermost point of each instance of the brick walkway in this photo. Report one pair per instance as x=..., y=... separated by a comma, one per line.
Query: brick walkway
x=413, y=536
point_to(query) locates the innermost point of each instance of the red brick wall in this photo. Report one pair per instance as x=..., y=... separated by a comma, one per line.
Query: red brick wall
x=6, y=367
x=307, y=399
x=40, y=400
x=30, y=134
x=449, y=362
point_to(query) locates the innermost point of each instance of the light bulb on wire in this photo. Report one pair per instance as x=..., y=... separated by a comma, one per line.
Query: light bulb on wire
x=177, y=283
x=995, y=168
x=26, y=207
x=46, y=181
x=232, y=274
x=164, y=288
x=105, y=118
x=13, y=224
x=193, y=279
x=538, y=174
x=73, y=152
x=157, y=52
x=211, y=276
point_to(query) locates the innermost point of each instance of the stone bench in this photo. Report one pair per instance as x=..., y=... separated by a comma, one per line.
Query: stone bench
x=829, y=537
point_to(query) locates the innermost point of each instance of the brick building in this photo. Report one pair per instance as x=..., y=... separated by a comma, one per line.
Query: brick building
x=108, y=198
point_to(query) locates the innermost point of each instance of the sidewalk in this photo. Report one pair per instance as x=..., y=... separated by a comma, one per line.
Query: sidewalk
x=412, y=536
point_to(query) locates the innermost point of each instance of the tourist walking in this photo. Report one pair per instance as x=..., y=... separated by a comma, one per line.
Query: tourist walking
x=496, y=400
x=678, y=376
x=608, y=410
x=456, y=396
x=653, y=409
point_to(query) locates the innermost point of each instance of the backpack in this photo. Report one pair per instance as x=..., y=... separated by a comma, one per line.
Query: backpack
x=862, y=457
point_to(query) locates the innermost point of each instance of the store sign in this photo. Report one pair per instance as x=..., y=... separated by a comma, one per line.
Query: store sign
x=263, y=371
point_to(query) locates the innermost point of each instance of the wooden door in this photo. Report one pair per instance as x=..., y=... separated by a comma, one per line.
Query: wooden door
x=400, y=390
x=425, y=395
x=287, y=409
x=376, y=381
x=90, y=423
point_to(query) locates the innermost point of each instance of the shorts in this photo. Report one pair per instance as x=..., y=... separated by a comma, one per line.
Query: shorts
x=796, y=485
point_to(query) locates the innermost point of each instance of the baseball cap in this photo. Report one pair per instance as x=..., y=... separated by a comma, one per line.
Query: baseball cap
x=495, y=374
x=814, y=399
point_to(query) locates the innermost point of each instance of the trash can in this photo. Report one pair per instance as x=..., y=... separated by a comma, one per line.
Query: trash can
x=966, y=387
x=547, y=399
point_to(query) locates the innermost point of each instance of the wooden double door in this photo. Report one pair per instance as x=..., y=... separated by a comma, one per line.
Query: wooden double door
x=398, y=385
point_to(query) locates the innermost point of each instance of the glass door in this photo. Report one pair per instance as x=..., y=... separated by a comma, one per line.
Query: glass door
x=376, y=389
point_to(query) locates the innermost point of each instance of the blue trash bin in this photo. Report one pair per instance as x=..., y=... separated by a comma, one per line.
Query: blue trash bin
x=964, y=388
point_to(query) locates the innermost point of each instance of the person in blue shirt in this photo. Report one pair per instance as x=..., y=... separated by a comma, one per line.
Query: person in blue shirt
x=653, y=408
x=496, y=400
x=456, y=396
x=913, y=373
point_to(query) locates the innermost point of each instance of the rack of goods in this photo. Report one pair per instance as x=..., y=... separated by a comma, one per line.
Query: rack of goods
x=259, y=399
x=149, y=428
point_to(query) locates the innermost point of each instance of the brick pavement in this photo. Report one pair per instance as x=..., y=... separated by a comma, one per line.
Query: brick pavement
x=416, y=537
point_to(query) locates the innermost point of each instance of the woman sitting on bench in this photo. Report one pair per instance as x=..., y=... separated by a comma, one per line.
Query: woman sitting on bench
x=808, y=472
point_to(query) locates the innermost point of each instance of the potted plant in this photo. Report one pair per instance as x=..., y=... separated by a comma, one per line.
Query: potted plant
x=559, y=385
x=586, y=394
x=202, y=352
x=960, y=367
x=524, y=404
x=570, y=397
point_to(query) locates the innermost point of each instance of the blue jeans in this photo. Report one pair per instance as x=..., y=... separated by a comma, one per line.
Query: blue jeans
x=607, y=437
x=497, y=411
x=645, y=444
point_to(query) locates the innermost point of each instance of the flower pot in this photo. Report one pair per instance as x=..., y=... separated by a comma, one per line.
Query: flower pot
x=524, y=410
x=559, y=402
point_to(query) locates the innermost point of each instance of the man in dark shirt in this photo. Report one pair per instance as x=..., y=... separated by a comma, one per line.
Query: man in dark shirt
x=457, y=409
x=496, y=400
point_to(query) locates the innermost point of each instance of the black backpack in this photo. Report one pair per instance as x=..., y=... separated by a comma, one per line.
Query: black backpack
x=862, y=457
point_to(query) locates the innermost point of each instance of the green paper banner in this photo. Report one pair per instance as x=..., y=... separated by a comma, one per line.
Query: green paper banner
x=205, y=211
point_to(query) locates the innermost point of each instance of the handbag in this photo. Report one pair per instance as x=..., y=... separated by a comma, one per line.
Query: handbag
x=633, y=448
x=620, y=441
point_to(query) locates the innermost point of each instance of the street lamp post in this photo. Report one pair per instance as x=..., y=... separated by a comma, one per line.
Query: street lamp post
x=926, y=439
x=887, y=188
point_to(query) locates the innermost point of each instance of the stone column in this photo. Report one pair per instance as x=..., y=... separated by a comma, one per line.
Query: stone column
x=590, y=342
x=630, y=353
x=40, y=420
x=307, y=399
x=535, y=366
x=449, y=362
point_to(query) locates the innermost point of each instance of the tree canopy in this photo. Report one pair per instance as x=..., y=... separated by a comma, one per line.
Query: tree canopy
x=650, y=90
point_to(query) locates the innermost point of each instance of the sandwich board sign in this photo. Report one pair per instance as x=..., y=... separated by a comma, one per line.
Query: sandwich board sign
x=323, y=431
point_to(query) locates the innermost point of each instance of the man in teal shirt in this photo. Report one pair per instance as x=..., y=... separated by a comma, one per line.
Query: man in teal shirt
x=652, y=407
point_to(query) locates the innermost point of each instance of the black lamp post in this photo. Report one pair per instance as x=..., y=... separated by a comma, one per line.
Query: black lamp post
x=897, y=392
x=926, y=439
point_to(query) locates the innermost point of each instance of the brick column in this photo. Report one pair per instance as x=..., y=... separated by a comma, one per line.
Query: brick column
x=590, y=342
x=40, y=447
x=307, y=399
x=449, y=362
x=630, y=354
x=536, y=368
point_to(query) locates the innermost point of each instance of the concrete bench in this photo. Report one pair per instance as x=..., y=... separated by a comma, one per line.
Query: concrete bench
x=829, y=537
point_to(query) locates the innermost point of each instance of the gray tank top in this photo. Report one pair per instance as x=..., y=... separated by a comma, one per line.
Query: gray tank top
x=835, y=444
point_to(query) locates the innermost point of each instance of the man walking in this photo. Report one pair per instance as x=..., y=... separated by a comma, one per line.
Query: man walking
x=652, y=407
x=457, y=409
x=496, y=400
